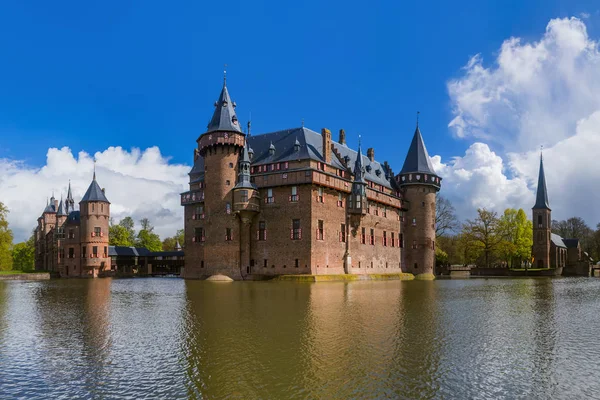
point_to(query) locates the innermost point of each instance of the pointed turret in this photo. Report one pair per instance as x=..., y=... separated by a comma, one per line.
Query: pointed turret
x=61, y=209
x=359, y=170
x=244, y=170
x=417, y=159
x=358, y=197
x=94, y=193
x=541, y=199
x=177, y=246
x=69, y=202
x=224, y=118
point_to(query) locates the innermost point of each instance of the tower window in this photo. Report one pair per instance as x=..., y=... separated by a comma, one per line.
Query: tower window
x=320, y=198
x=414, y=222
x=228, y=234
x=262, y=230
x=393, y=241
x=384, y=239
x=372, y=238
x=296, y=233
x=320, y=233
x=227, y=208
x=343, y=233
x=265, y=263
x=244, y=196
x=414, y=244
x=230, y=165
x=540, y=220
x=363, y=236
x=269, y=199
x=294, y=195
x=92, y=207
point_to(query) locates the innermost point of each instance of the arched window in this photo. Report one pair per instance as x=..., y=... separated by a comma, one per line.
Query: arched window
x=228, y=208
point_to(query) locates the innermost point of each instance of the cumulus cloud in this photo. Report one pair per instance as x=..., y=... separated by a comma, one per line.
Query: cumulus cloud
x=535, y=93
x=138, y=184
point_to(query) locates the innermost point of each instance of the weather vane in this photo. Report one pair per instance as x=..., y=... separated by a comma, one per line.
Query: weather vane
x=418, y=112
x=225, y=73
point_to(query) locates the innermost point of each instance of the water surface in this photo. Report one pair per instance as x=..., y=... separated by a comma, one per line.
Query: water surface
x=169, y=338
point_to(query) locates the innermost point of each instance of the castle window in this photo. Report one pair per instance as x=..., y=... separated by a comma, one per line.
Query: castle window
x=71, y=252
x=227, y=208
x=392, y=240
x=269, y=199
x=198, y=235
x=294, y=195
x=320, y=197
x=320, y=229
x=199, y=213
x=539, y=220
x=262, y=230
x=228, y=234
x=83, y=253
x=321, y=166
x=414, y=222
x=296, y=231
x=202, y=264
x=368, y=207
x=340, y=201
x=297, y=263
x=384, y=211
x=265, y=263
x=230, y=165
x=92, y=207
x=105, y=251
x=377, y=210
x=227, y=182
x=414, y=244
x=401, y=240
x=384, y=241
x=97, y=232
x=363, y=236
x=244, y=196
x=416, y=265
x=372, y=238
x=343, y=233
x=101, y=207
x=94, y=251
x=286, y=164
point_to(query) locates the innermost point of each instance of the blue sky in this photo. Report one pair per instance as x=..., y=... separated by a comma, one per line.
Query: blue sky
x=510, y=75
x=142, y=73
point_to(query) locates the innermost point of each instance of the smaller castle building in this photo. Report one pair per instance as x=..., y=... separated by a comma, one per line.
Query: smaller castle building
x=74, y=243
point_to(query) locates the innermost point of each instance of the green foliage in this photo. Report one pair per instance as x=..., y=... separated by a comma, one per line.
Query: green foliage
x=169, y=243
x=23, y=255
x=483, y=234
x=119, y=236
x=6, y=240
x=516, y=232
x=146, y=238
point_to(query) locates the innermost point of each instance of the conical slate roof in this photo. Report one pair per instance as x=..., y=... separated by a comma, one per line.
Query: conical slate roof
x=244, y=171
x=61, y=209
x=94, y=193
x=417, y=159
x=359, y=173
x=224, y=118
x=541, y=199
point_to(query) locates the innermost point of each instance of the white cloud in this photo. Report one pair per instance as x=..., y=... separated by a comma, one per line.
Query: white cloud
x=544, y=92
x=138, y=184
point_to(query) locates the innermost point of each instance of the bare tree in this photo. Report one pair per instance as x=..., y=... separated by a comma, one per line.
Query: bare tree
x=445, y=217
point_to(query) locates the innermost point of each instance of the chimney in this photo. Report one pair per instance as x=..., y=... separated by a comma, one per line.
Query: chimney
x=326, y=133
x=371, y=154
x=342, y=137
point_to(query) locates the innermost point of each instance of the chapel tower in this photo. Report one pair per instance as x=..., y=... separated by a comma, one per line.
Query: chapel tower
x=95, y=215
x=542, y=223
x=420, y=184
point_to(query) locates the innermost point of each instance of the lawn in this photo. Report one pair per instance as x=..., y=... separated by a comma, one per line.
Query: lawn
x=14, y=272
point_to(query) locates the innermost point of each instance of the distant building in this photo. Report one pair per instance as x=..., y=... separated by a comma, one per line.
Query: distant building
x=298, y=202
x=549, y=249
x=74, y=243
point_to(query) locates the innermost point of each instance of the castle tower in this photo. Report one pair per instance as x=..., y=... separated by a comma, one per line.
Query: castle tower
x=419, y=184
x=358, y=198
x=61, y=219
x=95, y=214
x=217, y=229
x=542, y=223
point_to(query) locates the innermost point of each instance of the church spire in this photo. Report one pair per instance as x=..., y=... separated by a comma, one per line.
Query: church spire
x=541, y=199
x=224, y=117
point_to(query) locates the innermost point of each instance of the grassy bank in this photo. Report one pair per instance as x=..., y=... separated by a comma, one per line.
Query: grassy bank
x=18, y=272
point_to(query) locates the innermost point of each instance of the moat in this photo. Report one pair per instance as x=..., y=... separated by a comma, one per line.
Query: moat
x=170, y=338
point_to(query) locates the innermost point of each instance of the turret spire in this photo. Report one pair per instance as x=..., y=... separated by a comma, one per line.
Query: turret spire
x=224, y=117
x=359, y=172
x=417, y=159
x=541, y=199
x=244, y=170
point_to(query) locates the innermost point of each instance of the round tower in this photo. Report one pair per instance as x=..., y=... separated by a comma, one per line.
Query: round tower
x=219, y=231
x=419, y=184
x=93, y=233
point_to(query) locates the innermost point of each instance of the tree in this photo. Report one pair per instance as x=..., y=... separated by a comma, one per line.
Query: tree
x=516, y=231
x=445, y=216
x=169, y=243
x=148, y=240
x=23, y=255
x=6, y=240
x=119, y=236
x=128, y=224
x=483, y=233
x=576, y=228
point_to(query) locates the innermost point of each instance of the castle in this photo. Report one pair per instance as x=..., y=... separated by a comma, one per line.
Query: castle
x=298, y=202
x=74, y=243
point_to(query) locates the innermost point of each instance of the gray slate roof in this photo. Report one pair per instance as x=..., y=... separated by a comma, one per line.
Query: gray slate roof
x=541, y=198
x=571, y=243
x=417, y=158
x=224, y=118
x=557, y=240
x=128, y=251
x=74, y=218
x=311, y=147
x=197, y=171
x=50, y=208
x=94, y=193
x=61, y=209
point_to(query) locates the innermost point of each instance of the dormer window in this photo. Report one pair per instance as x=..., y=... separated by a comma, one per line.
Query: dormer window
x=368, y=168
x=378, y=172
x=234, y=120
